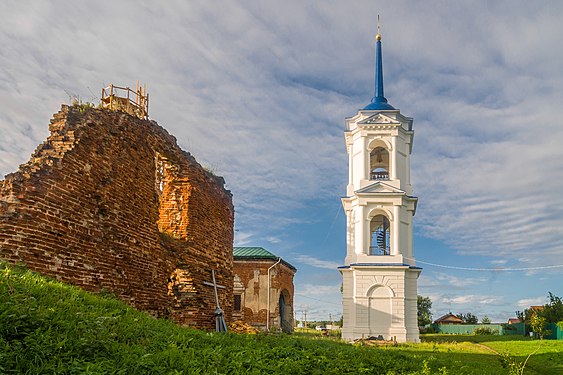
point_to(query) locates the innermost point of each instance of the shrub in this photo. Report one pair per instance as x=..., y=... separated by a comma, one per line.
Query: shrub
x=485, y=331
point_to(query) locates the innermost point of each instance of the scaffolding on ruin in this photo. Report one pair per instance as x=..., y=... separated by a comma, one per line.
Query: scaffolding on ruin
x=124, y=99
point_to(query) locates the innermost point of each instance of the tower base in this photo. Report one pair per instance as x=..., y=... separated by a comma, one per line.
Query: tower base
x=380, y=301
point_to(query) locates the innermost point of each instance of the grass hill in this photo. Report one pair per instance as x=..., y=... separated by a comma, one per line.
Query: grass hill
x=47, y=327
x=50, y=327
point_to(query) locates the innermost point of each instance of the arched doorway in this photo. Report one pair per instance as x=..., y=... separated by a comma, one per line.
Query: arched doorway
x=286, y=321
x=380, y=312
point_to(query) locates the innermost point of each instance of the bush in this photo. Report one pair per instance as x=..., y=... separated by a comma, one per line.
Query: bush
x=485, y=331
x=429, y=329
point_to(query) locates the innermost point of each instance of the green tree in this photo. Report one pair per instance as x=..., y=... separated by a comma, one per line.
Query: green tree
x=424, y=305
x=539, y=324
x=553, y=310
x=485, y=320
x=468, y=318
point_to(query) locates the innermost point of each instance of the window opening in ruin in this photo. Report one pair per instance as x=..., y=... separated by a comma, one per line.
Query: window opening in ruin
x=237, y=302
x=379, y=164
x=172, y=193
x=380, y=235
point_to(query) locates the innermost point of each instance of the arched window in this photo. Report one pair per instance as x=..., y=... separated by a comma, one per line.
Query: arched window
x=379, y=164
x=380, y=236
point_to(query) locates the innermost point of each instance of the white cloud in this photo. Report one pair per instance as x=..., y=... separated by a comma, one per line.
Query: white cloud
x=471, y=300
x=243, y=238
x=273, y=239
x=256, y=95
x=319, y=290
x=527, y=302
x=319, y=263
x=259, y=91
x=454, y=281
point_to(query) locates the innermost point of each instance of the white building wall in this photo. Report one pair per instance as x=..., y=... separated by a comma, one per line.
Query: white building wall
x=383, y=303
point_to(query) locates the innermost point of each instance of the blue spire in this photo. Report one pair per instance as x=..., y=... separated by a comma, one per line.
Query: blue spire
x=378, y=102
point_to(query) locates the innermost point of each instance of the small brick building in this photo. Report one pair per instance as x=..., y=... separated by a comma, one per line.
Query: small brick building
x=110, y=202
x=255, y=268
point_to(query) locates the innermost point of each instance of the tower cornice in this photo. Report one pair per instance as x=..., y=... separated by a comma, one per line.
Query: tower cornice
x=379, y=117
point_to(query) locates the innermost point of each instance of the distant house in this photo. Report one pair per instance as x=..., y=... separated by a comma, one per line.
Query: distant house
x=513, y=321
x=263, y=289
x=448, y=319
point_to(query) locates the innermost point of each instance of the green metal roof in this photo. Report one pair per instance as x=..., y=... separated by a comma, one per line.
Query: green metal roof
x=242, y=253
x=253, y=252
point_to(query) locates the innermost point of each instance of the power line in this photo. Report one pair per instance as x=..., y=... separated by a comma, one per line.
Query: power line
x=316, y=299
x=487, y=269
x=332, y=224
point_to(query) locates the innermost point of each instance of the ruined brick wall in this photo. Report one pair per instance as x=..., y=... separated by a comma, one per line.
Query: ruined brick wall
x=252, y=279
x=110, y=201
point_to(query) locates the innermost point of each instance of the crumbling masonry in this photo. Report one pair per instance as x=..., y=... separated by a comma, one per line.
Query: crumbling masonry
x=110, y=202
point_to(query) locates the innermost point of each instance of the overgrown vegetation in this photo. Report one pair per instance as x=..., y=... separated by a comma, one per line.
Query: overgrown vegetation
x=47, y=327
x=485, y=331
x=82, y=106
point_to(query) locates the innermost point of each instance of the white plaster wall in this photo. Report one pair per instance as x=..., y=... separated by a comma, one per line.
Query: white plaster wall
x=380, y=301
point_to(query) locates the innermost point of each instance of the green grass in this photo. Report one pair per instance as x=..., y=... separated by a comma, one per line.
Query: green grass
x=547, y=360
x=47, y=327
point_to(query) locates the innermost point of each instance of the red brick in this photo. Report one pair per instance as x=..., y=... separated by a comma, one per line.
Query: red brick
x=86, y=209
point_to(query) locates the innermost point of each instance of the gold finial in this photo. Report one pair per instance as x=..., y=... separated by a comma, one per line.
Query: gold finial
x=378, y=36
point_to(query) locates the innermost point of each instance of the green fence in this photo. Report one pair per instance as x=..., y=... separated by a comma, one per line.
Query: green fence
x=556, y=332
x=466, y=329
x=514, y=329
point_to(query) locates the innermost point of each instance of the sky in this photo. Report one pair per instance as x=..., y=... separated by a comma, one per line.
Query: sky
x=258, y=92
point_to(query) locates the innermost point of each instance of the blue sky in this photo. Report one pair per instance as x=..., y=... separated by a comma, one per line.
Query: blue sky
x=258, y=91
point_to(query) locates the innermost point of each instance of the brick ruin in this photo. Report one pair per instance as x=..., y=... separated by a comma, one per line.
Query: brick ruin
x=110, y=202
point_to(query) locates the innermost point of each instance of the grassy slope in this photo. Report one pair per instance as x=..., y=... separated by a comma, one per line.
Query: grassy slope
x=547, y=360
x=50, y=327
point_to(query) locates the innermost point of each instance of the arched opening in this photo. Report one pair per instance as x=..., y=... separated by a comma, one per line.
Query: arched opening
x=379, y=164
x=380, y=312
x=286, y=321
x=380, y=236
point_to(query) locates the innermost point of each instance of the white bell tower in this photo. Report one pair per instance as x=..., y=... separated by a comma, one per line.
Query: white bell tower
x=379, y=276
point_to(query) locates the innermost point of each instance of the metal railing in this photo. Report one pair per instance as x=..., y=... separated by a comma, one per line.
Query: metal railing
x=379, y=175
x=124, y=99
x=376, y=250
